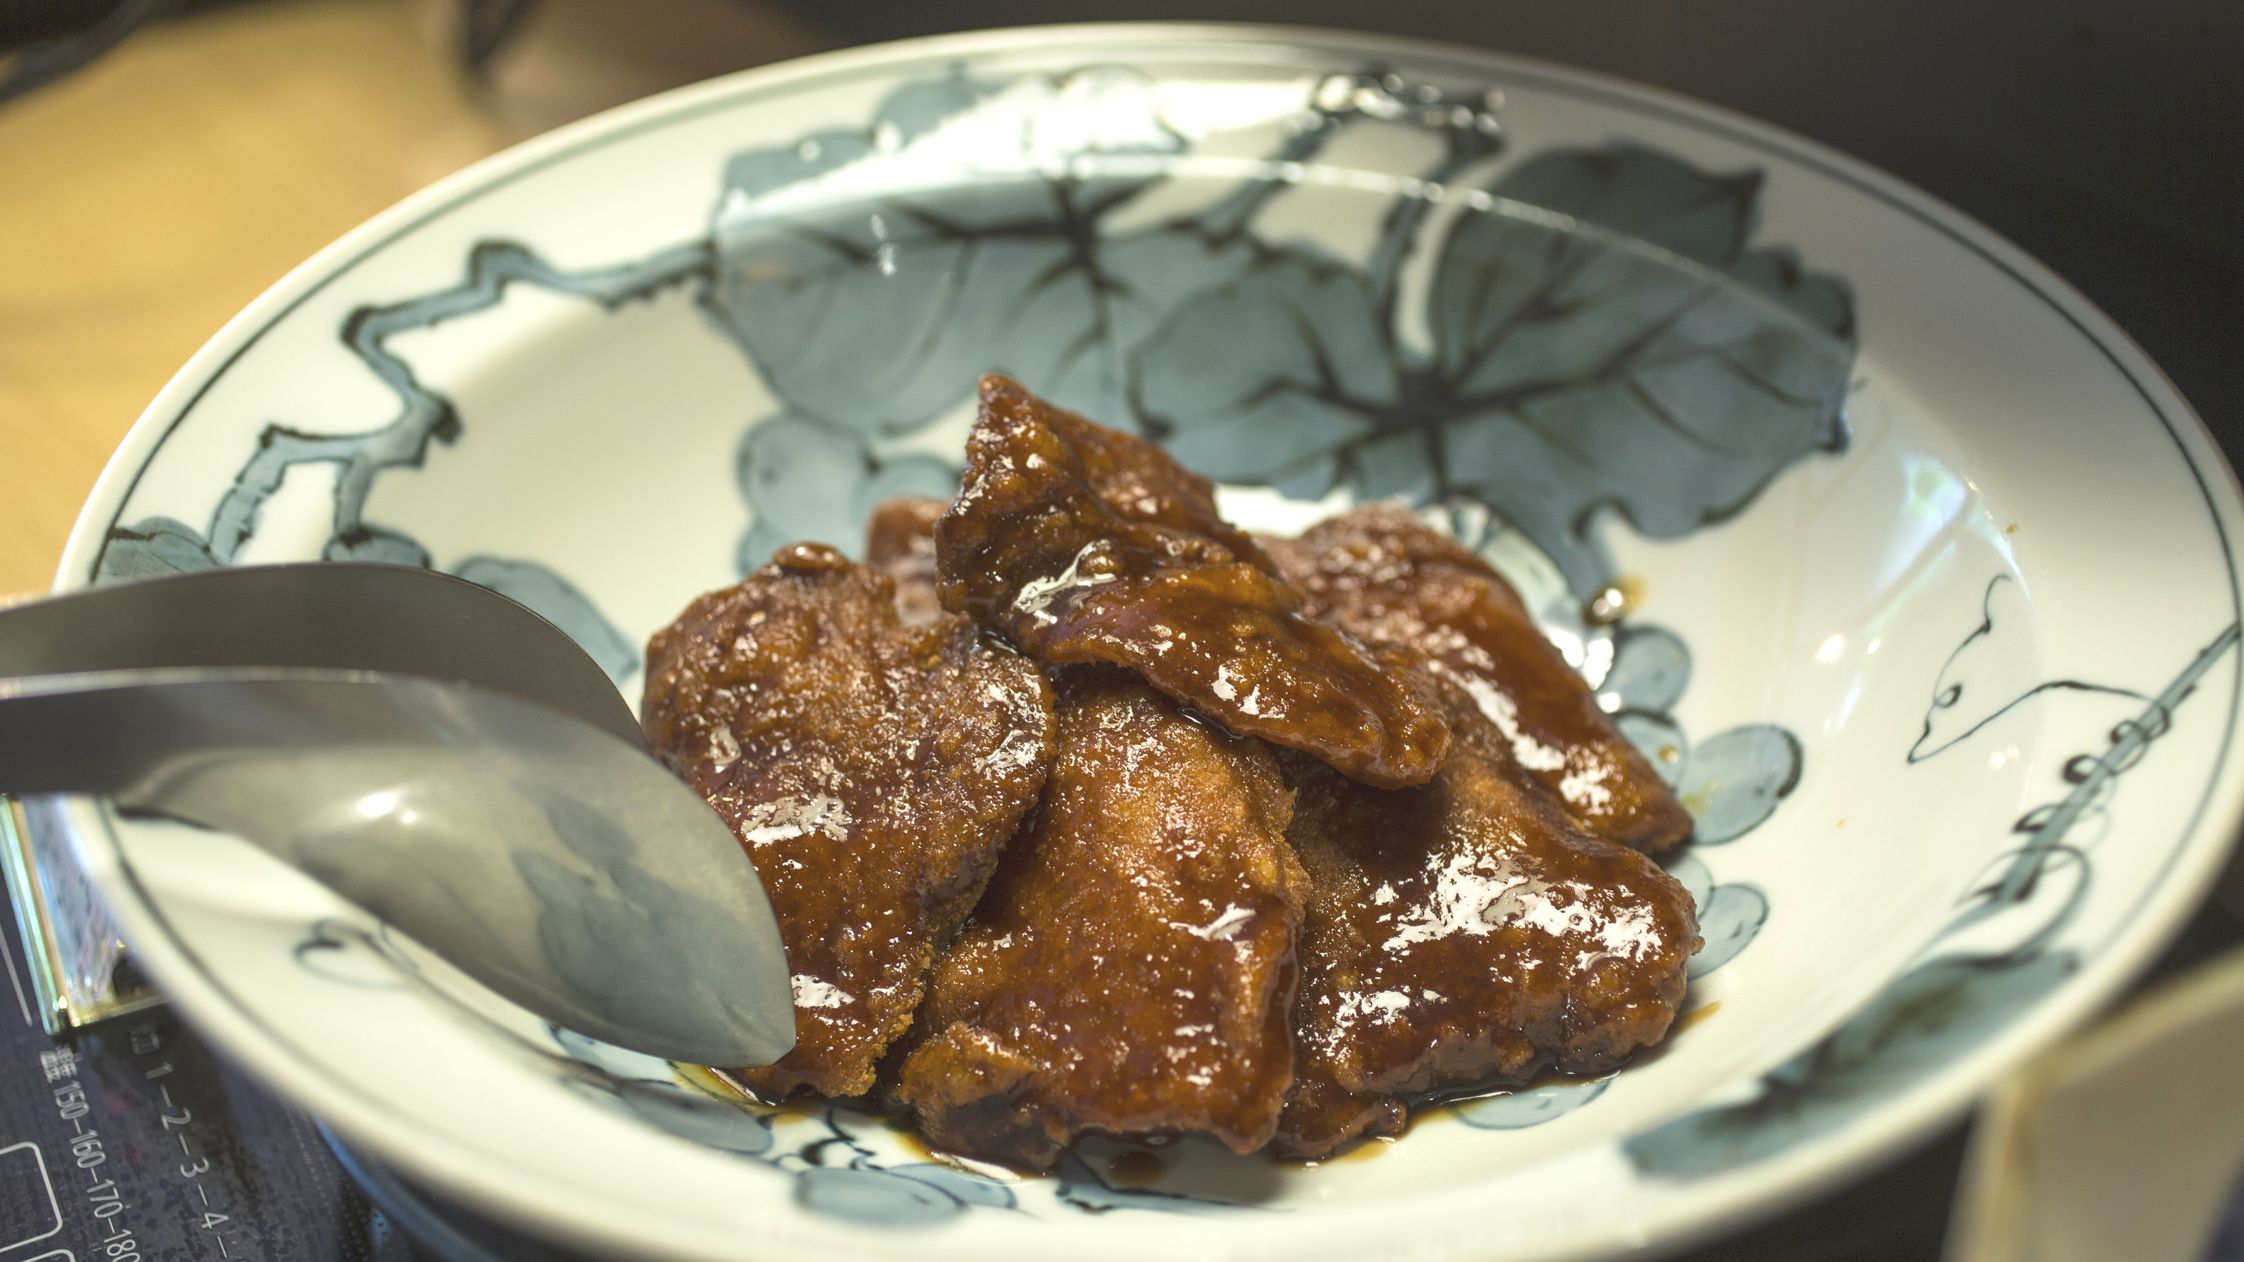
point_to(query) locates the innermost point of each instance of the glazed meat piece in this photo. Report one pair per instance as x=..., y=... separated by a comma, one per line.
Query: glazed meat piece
x=1382, y=575
x=900, y=542
x=872, y=770
x=1465, y=932
x=1130, y=969
x=1321, y=1116
x=1083, y=544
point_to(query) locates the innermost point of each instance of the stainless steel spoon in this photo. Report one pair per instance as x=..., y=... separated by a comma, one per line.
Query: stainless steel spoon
x=436, y=754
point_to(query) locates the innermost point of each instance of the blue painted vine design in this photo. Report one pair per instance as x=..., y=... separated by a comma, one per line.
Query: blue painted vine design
x=834, y=1150
x=1953, y=998
x=160, y=545
x=828, y=1150
x=1597, y=338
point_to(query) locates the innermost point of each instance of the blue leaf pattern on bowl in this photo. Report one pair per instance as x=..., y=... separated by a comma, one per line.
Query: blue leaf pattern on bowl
x=156, y=546
x=1650, y=669
x=1528, y=1106
x=876, y=1198
x=559, y=602
x=1735, y=779
x=424, y=420
x=1602, y=343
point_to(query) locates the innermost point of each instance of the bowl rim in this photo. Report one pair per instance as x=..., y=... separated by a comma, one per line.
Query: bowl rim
x=1729, y=1202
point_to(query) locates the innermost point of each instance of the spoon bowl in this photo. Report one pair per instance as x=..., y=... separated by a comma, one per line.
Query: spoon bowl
x=436, y=754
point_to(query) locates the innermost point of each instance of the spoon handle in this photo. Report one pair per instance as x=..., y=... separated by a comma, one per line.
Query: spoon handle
x=333, y=615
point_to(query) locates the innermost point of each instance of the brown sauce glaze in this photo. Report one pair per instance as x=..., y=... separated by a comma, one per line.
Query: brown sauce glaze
x=1466, y=932
x=1130, y=969
x=1083, y=544
x=872, y=770
x=1135, y=1168
x=1381, y=574
x=900, y=542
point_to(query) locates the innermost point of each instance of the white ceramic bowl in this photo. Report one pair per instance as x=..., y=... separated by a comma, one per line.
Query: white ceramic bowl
x=1931, y=600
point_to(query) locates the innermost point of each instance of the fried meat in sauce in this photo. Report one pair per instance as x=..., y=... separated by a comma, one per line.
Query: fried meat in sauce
x=900, y=542
x=1466, y=932
x=1380, y=574
x=872, y=770
x=1084, y=544
x=1321, y=1116
x=1130, y=969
